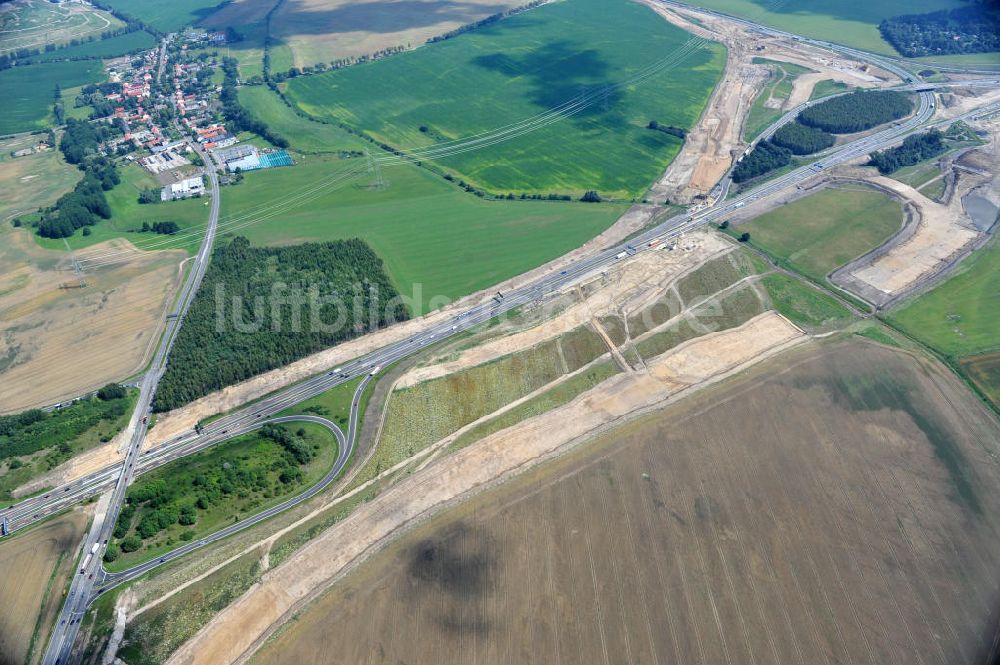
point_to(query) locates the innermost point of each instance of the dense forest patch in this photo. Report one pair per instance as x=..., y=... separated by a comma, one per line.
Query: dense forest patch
x=857, y=111
x=915, y=148
x=973, y=29
x=262, y=307
x=802, y=140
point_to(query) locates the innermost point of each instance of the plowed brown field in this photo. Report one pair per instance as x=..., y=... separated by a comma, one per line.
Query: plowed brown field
x=835, y=505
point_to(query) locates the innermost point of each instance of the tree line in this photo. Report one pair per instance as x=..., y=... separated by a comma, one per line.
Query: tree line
x=30, y=431
x=238, y=118
x=236, y=328
x=86, y=204
x=972, y=29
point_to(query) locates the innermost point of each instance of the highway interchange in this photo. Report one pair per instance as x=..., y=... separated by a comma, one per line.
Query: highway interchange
x=93, y=581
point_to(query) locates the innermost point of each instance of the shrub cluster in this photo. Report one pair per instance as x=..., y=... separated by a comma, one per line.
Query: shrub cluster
x=915, y=148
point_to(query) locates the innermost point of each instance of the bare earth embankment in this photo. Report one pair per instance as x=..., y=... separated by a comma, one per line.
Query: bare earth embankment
x=284, y=589
x=834, y=505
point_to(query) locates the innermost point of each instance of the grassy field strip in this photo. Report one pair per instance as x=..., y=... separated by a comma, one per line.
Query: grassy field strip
x=821, y=232
x=32, y=91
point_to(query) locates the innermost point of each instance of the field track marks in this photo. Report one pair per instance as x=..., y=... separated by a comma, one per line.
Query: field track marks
x=847, y=546
x=716, y=464
x=791, y=475
x=658, y=555
x=593, y=574
x=955, y=594
x=729, y=464
x=637, y=570
x=921, y=573
x=858, y=521
x=689, y=513
x=612, y=556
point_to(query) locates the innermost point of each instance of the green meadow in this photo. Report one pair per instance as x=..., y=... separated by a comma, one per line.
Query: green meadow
x=520, y=67
x=961, y=316
x=823, y=231
x=428, y=231
x=305, y=136
x=128, y=215
x=30, y=91
x=850, y=22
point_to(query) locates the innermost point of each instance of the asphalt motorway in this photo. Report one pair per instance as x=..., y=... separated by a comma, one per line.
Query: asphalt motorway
x=79, y=597
x=36, y=508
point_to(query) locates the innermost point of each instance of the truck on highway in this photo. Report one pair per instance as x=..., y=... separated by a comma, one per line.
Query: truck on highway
x=654, y=242
x=375, y=370
x=621, y=255
x=90, y=555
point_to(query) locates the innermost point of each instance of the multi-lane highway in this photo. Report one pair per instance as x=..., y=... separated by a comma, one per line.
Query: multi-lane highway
x=83, y=588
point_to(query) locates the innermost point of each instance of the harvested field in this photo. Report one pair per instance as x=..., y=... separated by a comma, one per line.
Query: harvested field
x=36, y=565
x=828, y=507
x=61, y=342
x=325, y=30
x=34, y=180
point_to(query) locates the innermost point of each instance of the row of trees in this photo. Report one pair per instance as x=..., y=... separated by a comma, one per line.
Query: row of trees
x=857, y=111
x=972, y=29
x=915, y=148
x=239, y=118
x=679, y=132
x=82, y=207
x=263, y=307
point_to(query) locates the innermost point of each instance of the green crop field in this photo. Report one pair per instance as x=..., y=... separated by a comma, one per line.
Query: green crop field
x=30, y=91
x=525, y=65
x=428, y=232
x=128, y=215
x=166, y=16
x=307, y=136
x=961, y=316
x=102, y=48
x=851, y=22
x=778, y=89
x=826, y=230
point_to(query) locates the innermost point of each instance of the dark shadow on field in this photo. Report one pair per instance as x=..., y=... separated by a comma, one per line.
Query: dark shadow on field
x=456, y=563
x=378, y=16
x=849, y=10
x=562, y=73
x=856, y=388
